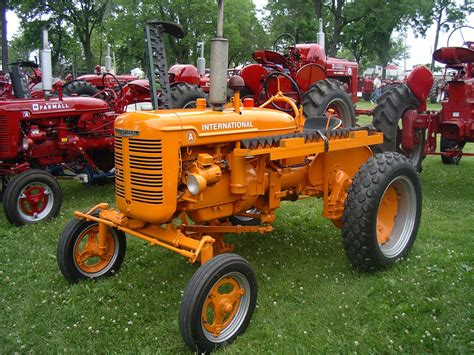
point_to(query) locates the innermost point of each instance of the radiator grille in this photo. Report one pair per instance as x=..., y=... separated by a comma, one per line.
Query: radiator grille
x=4, y=141
x=144, y=170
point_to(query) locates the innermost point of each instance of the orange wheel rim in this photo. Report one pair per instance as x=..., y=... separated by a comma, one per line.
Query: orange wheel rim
x=221, y=305
x=87, y=255
x=387, y=214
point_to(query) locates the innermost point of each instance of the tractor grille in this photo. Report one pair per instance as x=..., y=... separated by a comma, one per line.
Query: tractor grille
x=4, y=141
x=143, y=171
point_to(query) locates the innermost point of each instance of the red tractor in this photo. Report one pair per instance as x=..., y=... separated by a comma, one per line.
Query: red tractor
x=52, y=135
x=411, y=129
x=307, y=75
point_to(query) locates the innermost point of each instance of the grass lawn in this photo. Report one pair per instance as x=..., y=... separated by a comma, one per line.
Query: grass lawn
x=310, y=300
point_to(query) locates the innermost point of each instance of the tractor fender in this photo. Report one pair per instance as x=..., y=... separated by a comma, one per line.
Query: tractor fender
x=420, y=82
x=186, y=73
x=253, y=76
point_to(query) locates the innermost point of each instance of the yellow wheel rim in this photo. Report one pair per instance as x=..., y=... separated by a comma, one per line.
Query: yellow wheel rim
x=87, y=255
x=387, y=214
x=221, y=305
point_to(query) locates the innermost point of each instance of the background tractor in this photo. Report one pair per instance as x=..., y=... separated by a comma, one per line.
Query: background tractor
x=305, y=73
x=412, y=130
x=48, y=134
x=205, y=165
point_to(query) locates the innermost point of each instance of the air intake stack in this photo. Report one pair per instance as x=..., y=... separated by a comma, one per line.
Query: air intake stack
x=46, y=66
x=320, y=35
x=108, y=59
x=219, y=58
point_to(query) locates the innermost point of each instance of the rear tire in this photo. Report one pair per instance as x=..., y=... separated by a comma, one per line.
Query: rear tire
x=184, y=95
x=80, y=88
x=388, y=114
x=382, y=212
x=326, y=94
x=76, y=253
x=224, y=288
x=31, y=197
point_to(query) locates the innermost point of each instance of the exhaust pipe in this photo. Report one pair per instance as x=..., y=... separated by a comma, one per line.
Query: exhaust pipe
x=320, y=35
x=201, y=61
x=108, y=59
x=46, y=66
x=219, y=58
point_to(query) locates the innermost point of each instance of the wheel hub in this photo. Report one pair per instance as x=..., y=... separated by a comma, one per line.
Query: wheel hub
x=221, y=305
x=88, y=256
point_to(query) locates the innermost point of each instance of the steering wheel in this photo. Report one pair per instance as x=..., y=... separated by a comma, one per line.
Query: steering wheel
x=116, y=80
x=296, y=94
x=460, y=29
x=283, y=42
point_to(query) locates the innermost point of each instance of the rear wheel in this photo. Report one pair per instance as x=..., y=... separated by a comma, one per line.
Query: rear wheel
x=329, y=94
x=388, y=115
x=31, y=197
x=79, y=88
x=184, y=95
x=382, y=212
x=79, y=255
x=447, y=145
x=218, y=303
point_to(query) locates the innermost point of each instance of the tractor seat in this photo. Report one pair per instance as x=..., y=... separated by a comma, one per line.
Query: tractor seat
x=317, y=123
x=454, y=55
x=269, y=57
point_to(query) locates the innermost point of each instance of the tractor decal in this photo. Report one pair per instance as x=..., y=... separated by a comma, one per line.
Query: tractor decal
x=226, y=125
x=46, y=107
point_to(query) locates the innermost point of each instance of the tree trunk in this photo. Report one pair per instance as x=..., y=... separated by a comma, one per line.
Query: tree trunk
x=88, y=54
x=438, y=28
x=3, y=5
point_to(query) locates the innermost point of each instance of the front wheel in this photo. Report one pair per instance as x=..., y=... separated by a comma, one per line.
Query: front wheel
x=31, y=197
x=445, y=145
x=218, y=303
x=79, y=255
x=382, y=212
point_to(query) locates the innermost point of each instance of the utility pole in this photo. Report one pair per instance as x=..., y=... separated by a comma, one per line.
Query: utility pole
x=4, y=40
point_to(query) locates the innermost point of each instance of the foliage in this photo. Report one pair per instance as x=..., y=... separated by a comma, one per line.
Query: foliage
x=447, y=14
x=121, y=23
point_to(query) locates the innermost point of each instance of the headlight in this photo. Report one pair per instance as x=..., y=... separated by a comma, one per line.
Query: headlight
x=195, y=183
x=25, y=144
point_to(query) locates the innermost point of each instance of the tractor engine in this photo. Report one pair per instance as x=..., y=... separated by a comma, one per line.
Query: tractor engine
x=170, y=162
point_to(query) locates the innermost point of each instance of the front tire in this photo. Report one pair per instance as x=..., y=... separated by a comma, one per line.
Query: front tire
x=382, y=212
x=31, y=197
x=388, y=115
x=446, y=145
x=329, y=94
x=78, y=251
x=218, y=303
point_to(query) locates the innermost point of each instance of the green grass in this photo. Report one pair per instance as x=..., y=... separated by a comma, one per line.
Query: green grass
x=310, y=299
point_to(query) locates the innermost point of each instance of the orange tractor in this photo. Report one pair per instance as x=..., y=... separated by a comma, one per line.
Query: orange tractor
x=204, y=166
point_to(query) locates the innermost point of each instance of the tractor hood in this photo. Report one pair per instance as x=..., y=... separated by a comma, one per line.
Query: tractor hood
x=55, y=107
x=197, y=127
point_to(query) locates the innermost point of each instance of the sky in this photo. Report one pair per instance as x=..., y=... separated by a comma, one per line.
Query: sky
x=420, y=49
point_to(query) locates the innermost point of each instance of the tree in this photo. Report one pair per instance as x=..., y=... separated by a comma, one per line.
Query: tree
x=3, y=10
x=84, y=16
x=447, y=14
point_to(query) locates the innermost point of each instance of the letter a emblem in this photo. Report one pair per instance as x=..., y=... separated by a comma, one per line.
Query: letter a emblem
x=190, y=137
